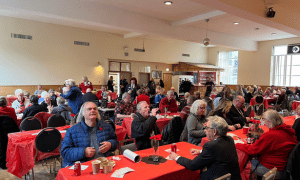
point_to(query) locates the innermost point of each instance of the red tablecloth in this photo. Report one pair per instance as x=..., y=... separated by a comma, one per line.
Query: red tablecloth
x=160, y=123
x=10, y=100
x=295, y=105
x=167, y=170
x=21, y=150
x=265, y=102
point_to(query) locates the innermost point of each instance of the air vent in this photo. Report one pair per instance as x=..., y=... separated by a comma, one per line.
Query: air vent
x=21, y=36
x=81, y=43
x=139, y=50
x=186, y=55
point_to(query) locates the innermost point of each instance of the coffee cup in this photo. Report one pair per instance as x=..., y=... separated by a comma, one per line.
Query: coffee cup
x=96, y=166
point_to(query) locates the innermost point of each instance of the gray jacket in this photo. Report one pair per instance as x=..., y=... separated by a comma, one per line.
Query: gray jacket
x=194, y=129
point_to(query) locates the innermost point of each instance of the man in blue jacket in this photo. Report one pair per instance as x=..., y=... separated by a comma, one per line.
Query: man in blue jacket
x=89, y=139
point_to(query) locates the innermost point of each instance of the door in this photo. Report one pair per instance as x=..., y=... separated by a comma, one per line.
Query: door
x=167, y=78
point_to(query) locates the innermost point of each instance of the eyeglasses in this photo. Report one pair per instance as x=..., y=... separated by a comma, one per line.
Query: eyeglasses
x=205, y=128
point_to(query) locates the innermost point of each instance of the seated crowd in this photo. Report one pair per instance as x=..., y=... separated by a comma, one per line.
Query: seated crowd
x=90, y=137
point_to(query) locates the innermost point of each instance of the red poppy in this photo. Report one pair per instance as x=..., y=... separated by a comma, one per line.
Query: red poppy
x=73, y=115
x=100, y=128
x=156, y=137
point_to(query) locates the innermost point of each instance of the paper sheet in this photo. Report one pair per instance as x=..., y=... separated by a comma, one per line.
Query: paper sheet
x=121, y=172
x=83, y=167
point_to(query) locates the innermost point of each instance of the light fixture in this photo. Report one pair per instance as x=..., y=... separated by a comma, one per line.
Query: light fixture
x=167, y=69
x=168, y=3
x=99, y=64
x=273, y=34
x=206, y=40
x=236, y=23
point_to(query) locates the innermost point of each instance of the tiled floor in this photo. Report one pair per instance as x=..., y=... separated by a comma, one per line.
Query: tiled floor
x=40, y=173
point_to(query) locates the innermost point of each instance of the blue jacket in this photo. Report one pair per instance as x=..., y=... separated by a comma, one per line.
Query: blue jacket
x=158, y=98
x=77, y=139
x=74, y=97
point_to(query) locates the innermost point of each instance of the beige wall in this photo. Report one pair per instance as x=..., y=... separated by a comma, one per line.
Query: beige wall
x=254, y=67
x=51, y=57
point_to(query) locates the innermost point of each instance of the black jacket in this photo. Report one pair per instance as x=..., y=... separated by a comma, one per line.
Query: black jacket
x=218, y=158
x=296, y=127
x=236, y=117
x=172, y=131
x=124, y=83
x=220, y=114
x=110, y=86
x=7, y=125
x=33, y=110
x=141, y=129
x=89, y=96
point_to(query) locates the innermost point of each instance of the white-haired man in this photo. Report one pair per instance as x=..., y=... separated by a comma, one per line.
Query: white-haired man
x=168, y=102
x=143, y=125
x=20, y=103
x=88, y=139
x=218, y=156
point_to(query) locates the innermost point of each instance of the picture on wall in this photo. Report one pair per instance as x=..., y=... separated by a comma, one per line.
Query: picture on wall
x=157, y=74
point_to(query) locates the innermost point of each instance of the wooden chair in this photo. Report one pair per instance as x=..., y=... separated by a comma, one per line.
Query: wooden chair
x=225, y=177
x=132, y=146
x=270, y=175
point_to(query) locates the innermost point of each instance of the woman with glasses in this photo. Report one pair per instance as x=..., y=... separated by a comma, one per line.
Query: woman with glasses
x=194, y=128
x=273, y=146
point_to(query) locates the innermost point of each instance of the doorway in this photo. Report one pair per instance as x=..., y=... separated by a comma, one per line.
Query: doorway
x=116, y=81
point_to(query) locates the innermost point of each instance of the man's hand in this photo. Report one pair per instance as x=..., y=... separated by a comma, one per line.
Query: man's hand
x=237, y=125
x=195, y=151
x=90, y=152
x=232, y=128
x=105, y=146
x=130, y=91
x=248, y=119
x=154, y=111
x=173, y=156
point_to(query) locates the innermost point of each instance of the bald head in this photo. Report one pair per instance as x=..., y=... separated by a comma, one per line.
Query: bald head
x=239, y=101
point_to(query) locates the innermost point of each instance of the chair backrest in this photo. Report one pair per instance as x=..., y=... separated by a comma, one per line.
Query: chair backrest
x=260, y=110
x=123, y=145
x=225, y=177
x=270, y=175
x=47, y=140
x=56, y=121
x=172, y=131
x=43, y=117
x=30, y=123
x=259, y=99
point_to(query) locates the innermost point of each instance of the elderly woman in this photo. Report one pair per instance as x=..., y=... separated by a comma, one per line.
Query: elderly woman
x=221, y=111
x=85, y=84
x=7, y=111
x=48, y=103
x=218, y=156
x=74, y=96
x=124, y=109
x=273, y=146
x=195, y=123
x=21, y=103
x=132, y=88
x=39, y=90
x=110, y=84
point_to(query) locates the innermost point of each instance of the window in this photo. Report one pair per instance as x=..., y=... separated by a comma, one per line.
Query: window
x=285, y=69
x=229, y=61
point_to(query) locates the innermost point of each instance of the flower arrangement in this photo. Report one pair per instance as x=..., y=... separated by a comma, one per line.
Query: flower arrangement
x=156, y=137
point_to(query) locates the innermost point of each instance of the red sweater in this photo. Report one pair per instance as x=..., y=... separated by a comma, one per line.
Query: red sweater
x=141, y=98
x=84, y=88
x=274, y=146
x=8, y=111
x=172, y=106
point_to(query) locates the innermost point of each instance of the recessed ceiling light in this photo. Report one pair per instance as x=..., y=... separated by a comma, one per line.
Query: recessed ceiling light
x=168, y=3
x=236, y=23
x=273, y=33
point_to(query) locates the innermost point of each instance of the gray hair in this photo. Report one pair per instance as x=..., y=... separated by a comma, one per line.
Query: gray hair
x=85, y=78
x=218, y=123
x=139, y=105
x=125, y=95
x=71, y=82
x=169, y=92
x=18, y=91
x=274, y=117
x=60, y=100
x=3, y=101
x=44, y=94
x=196, y=105
x=81, y=112
x=186, y=95
x=51, y=91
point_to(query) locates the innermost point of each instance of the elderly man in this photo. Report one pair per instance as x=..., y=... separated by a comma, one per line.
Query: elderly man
x=186, y=110
x=143, y=125
x=39, y=90
x=100, y=94
x=89, y=96
x=88, y=139
x=21, y=103
x=48, y=102
x=218, y=156
x=124, y=109
x=168, y=102
x=85, y=84
x=61, y=106
x=236, y=113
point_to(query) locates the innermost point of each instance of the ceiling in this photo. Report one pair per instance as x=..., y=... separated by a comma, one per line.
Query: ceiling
x=183, y=20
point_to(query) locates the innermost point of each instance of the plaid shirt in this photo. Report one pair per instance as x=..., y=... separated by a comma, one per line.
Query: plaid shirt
x=124, y=109
x=185, y=112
